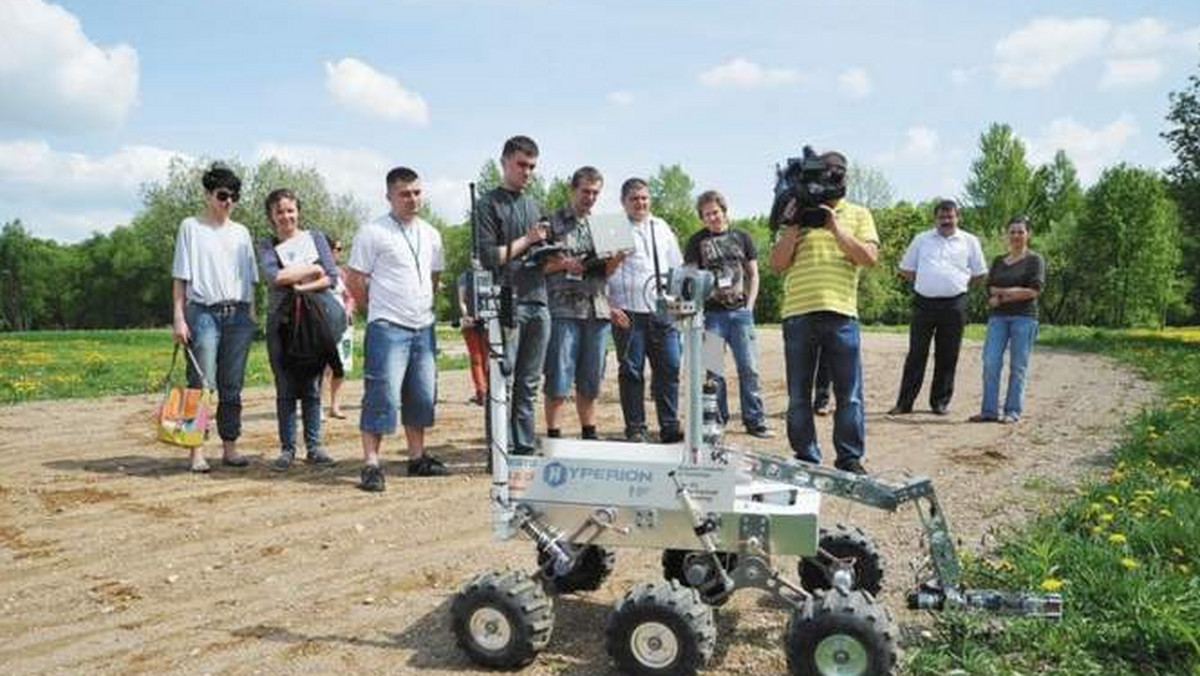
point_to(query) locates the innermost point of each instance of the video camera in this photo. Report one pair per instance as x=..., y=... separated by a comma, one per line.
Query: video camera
x=802, y=186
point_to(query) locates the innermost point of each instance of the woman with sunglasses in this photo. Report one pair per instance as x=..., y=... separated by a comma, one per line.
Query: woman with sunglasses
x=212, y=296
x=1014, y=284
x=294, y=261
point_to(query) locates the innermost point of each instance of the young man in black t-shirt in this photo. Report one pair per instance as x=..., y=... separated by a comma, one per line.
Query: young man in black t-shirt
x=729, y=311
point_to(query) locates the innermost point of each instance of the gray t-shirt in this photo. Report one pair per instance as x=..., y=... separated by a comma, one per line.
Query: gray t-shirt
x=503, y=216
x=576, y=296
x=271, y=265
x=1029, y=273
x=217, y=262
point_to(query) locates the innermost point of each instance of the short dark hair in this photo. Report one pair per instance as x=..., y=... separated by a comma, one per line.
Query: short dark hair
x=945, y=204
x=1022, y=219
x=711, y=196
x=220, y=176
x=401, y=175
x=834, y=157
x=278, y=195
x=587, y=174
x=632, y=184
x=519, y=144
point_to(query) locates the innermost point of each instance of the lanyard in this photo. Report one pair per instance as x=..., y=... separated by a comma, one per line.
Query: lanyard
x=412, y=249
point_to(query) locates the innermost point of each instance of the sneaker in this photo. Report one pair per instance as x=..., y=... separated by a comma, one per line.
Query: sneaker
x=284, y=461
x=425, y=466
x=899, y=410
x=760, y=432
x=981, y=418
x=1010, y=419
x=319, y=457
x=372, y=479
x=941, y=409
x=851, y=465
x=670, y=436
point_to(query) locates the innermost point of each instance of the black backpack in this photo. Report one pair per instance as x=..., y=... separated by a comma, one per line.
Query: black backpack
x=310, y=331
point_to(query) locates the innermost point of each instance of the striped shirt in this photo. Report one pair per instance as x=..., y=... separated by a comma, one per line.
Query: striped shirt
x=821, y=277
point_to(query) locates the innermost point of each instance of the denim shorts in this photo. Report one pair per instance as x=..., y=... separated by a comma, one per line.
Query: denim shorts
x=399, y=372
x=576, y=356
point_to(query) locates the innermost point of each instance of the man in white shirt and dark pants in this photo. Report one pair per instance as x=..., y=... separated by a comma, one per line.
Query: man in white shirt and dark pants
x=941, y=263
x=637, y=331
x=393, y=272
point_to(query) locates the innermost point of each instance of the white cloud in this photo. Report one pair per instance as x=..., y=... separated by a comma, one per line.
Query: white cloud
x=1033, y=56
x=620, y=98
x=54, y=78
x=360, y=173
x=68, y=195
x=920, y=142
x=361, y=88
x=855, y=83
x=1130, y=72
x=1090, y=149
x=739, y=72
x=1143, y=36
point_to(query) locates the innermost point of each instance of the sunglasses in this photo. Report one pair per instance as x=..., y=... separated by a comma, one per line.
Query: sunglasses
x=227, y=196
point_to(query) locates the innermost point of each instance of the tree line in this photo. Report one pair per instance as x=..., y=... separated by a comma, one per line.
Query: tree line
x=1122, y=252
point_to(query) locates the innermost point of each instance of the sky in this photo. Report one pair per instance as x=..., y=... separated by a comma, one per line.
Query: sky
x=97, y=97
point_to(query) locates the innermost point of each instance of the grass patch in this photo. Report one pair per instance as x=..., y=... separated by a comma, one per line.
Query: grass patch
x=1124, y=552
x=38, y=365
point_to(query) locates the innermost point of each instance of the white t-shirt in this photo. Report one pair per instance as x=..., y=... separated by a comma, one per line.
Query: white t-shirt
x=629, y=285
x=944, y=265
x=400, y=261
x=217, y=262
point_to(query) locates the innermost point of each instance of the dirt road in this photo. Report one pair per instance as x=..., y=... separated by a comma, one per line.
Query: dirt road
x=115, y=560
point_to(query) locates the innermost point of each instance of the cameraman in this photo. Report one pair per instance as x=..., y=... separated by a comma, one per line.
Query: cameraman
x=510, y=224
x=820, y=267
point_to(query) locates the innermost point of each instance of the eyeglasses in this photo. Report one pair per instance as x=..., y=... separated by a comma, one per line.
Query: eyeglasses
x=227, y=196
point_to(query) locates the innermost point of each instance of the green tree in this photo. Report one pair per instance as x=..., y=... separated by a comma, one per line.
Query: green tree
x=1128, y=250
x=883, y=296
x=672, y=199
x=1183, y=137
x=1057, y=204
x=1000, y=184
x=868, y=186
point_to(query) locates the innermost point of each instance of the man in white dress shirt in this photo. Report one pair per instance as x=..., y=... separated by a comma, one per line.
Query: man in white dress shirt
x=941, y=263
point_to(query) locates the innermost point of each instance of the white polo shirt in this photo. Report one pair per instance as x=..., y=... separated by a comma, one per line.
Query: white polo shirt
x=944, y=266
x=630, y=287
x=400, y=261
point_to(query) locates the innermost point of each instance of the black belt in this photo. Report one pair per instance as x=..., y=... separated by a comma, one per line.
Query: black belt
x=222, y=308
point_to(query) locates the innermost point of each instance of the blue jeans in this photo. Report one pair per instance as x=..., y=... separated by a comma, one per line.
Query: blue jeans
x=834, y=338
x=575, y=356
x=657, y=339
x=736, y=327
x=399, y=371
x=290, y=387
x=525, y=359
x=1017, y=334
x=221, y=336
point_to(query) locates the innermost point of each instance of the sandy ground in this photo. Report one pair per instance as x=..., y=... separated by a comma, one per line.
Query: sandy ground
x=115, y=560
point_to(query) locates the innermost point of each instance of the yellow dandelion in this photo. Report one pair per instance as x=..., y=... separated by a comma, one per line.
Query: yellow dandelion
x=1106, y=517
x=1051, y=584
x=1113, y=499
x=1182, y=484
x=1177, y=551
x=1185, y=569
x=1096, y=530
x=1117, y=538
x=1130, y=563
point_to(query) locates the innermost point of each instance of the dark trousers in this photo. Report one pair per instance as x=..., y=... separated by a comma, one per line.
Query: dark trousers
x=940, y=321
x=648, y=337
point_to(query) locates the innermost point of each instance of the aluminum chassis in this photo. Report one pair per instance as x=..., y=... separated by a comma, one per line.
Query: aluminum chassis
x=770, y=491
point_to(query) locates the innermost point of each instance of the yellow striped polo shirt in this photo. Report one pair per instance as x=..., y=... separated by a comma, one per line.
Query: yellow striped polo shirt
x=820, y=277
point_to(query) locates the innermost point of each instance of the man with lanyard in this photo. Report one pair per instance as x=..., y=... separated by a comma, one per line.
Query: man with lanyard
x=579, y=310
x=820, y=267
x=941, y=263
x=401, y=255
x=510, y=224
x=729, y=311
x=638, y=331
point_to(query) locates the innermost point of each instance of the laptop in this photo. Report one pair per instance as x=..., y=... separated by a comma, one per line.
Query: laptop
x=611, y=234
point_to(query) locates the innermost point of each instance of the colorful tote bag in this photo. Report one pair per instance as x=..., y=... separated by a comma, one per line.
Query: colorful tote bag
x=185, y=416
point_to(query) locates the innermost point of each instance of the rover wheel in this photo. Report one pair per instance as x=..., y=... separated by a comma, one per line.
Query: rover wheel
x=593, y=565
x=844, y=542
x=660, y=629
x=841, y=633
x=502, y=619
x=675, y=564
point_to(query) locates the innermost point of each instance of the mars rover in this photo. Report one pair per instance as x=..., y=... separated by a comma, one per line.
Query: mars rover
x=721, y=517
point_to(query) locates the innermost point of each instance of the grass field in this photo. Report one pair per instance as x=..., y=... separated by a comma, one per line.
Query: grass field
x=73, y=364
